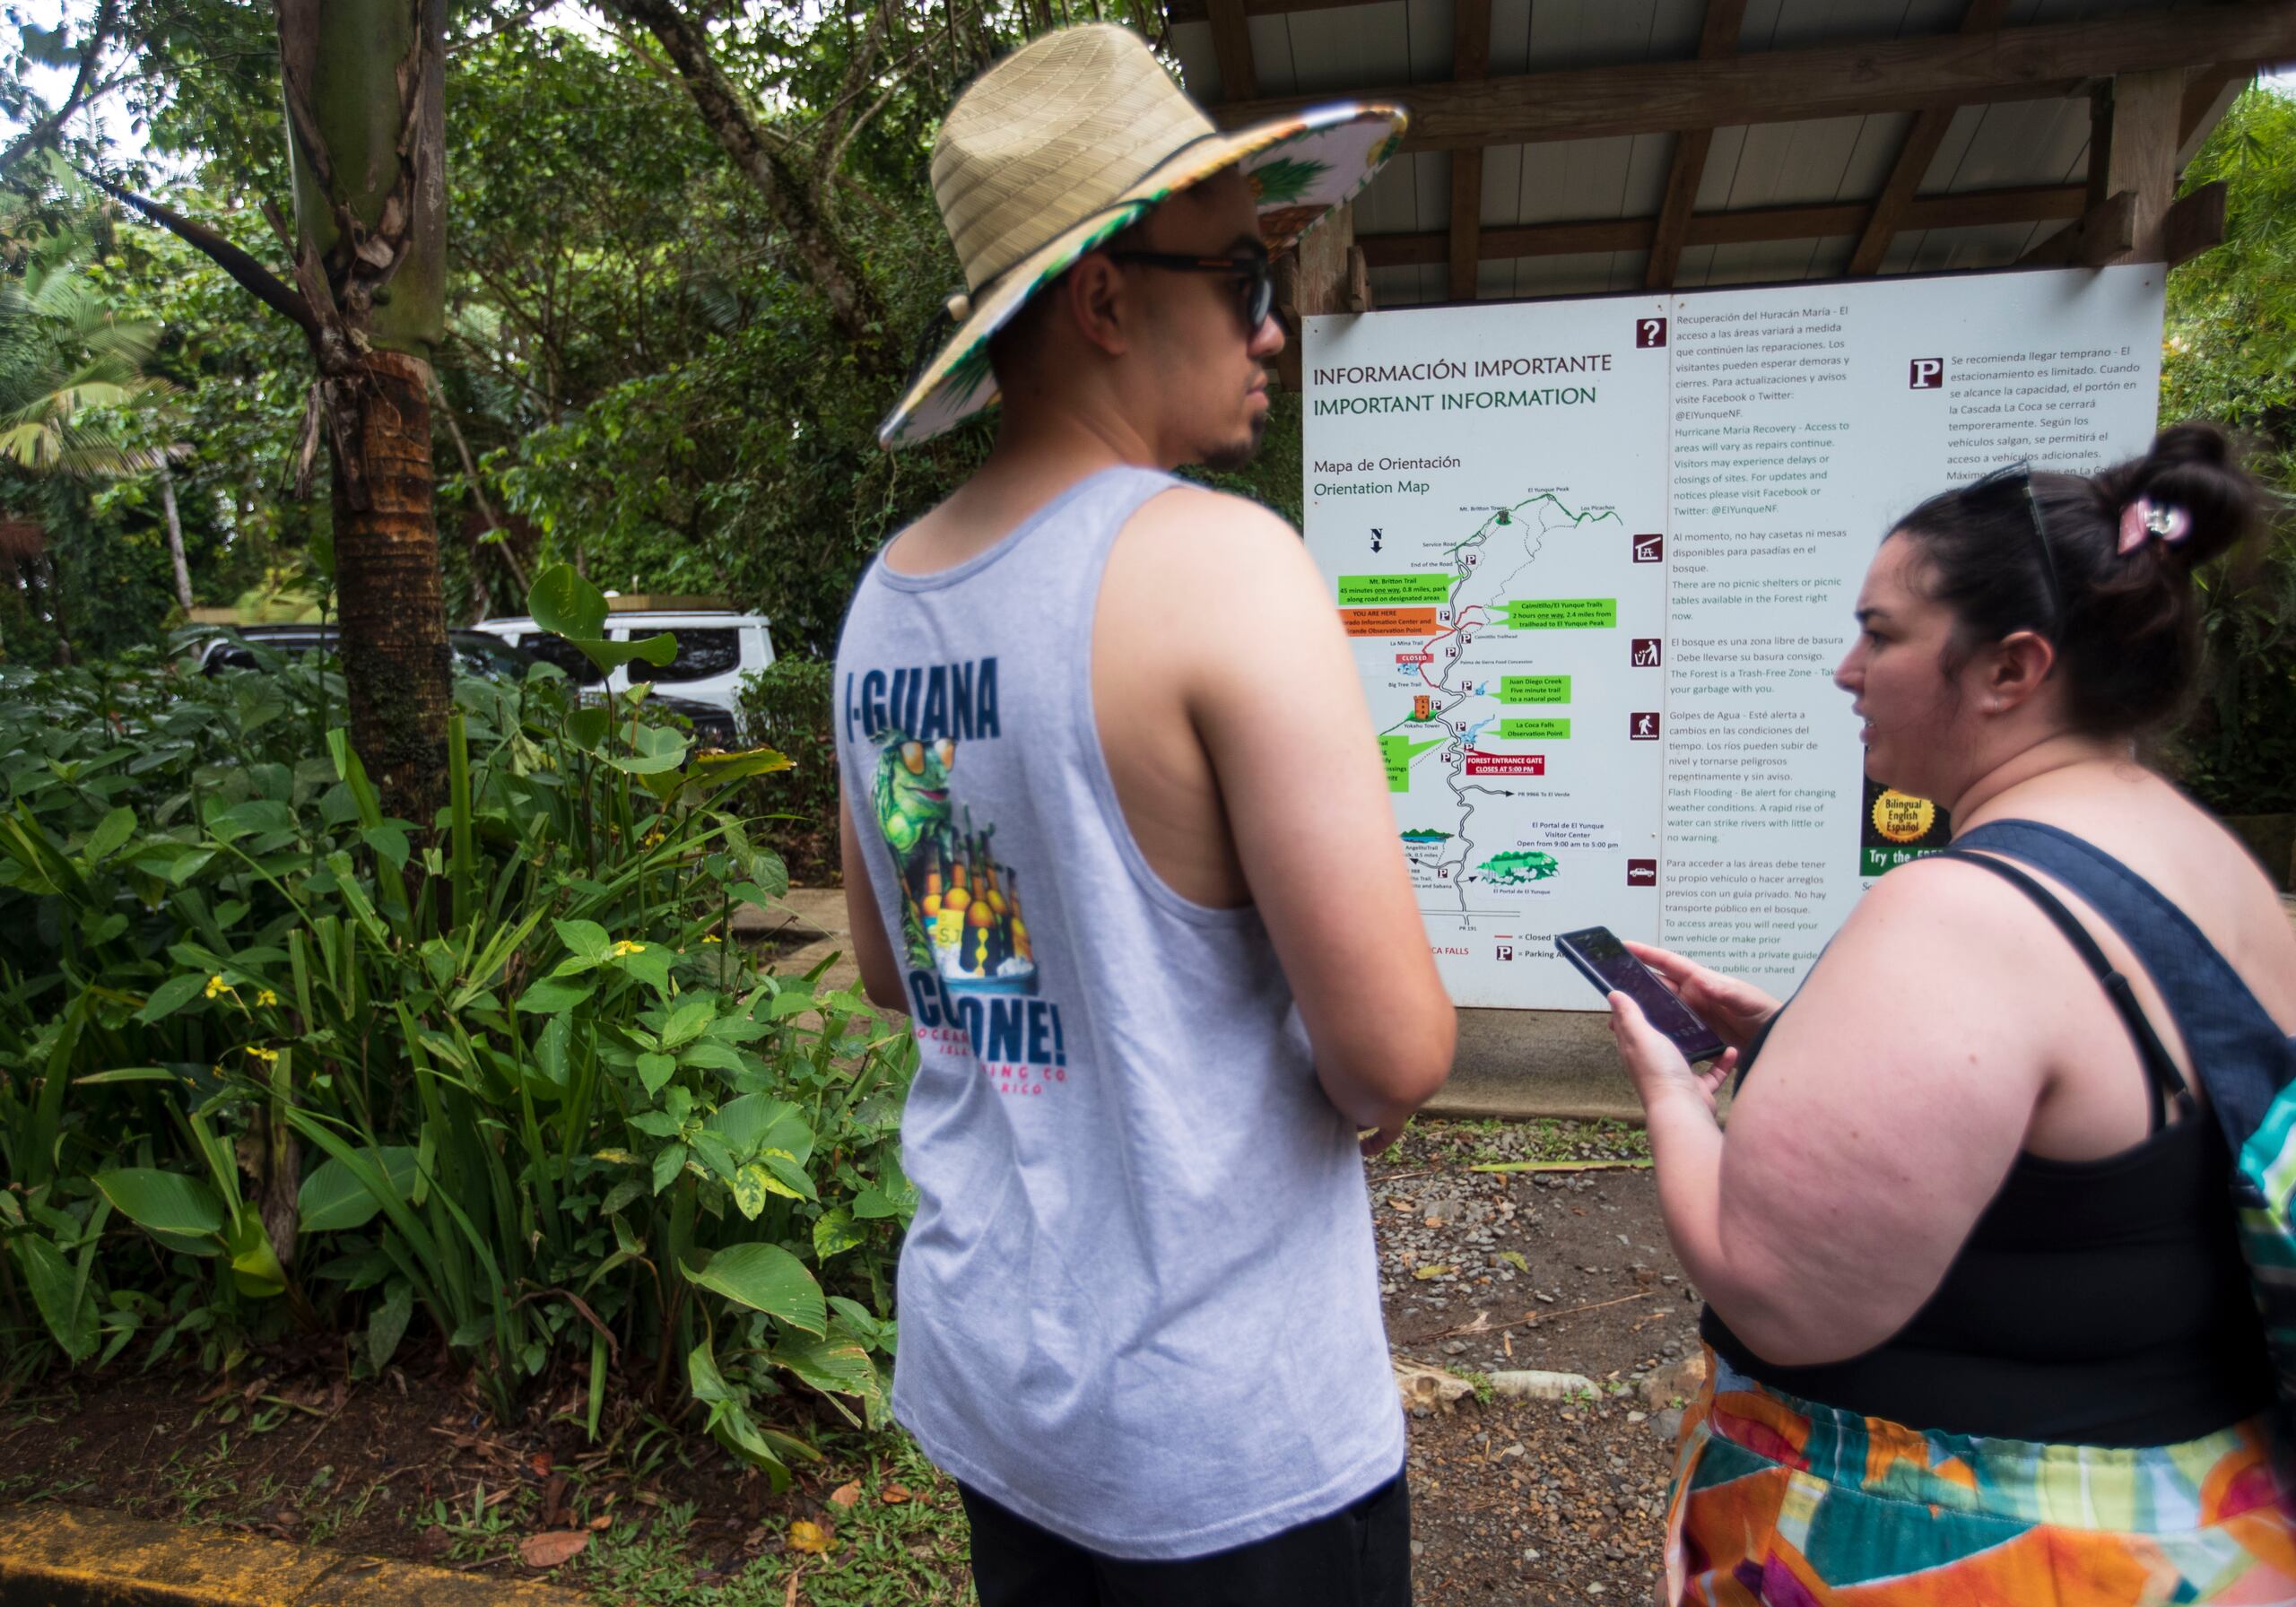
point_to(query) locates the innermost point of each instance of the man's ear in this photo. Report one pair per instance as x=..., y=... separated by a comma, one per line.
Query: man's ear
x=2021, y=662
x=1098, y=302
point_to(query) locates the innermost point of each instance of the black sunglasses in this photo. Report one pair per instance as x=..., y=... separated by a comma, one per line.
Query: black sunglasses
x=2018, y=477
x=1254, y=272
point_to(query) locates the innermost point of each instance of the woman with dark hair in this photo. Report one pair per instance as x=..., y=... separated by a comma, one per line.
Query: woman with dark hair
x=1981, y=1330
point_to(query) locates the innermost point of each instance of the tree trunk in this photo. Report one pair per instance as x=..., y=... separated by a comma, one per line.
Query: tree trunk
x=363, y=87
x=389, y=593
x=175, y=536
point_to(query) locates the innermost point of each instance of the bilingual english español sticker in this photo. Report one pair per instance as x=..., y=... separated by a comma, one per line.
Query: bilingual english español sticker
x=1902, y=818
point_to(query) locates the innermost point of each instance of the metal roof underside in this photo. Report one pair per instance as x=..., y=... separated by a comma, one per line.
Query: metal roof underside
x=1347, y=48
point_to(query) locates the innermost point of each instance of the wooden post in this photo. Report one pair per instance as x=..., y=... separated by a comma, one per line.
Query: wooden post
x=1326, y=272
x=1323, y=263
x=2142, y=159
x=1470, y=60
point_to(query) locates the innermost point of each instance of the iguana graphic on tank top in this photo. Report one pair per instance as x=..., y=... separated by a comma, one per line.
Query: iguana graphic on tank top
x=960, y=912
x=969, y=967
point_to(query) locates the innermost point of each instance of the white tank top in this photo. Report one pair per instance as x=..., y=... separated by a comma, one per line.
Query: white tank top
x=1139, y=1303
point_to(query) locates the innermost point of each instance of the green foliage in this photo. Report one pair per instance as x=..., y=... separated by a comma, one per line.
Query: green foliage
x=270, y=1059
x=785, y=706
x=2230, y=356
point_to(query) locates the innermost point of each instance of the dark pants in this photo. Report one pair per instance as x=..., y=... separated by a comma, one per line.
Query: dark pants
x=1357, y=1557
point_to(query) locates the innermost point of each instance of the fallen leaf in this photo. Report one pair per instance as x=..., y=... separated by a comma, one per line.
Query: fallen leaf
x=846, y=1494
x=805, y=1536
x=602, y=1521
x=1514, y=1258
x=1424, y=1272
x=894, y=1495
x=541, y=1463
x=552, y=1547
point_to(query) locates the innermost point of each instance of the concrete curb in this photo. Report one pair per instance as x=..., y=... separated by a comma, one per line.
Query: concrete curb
x=80, y=1557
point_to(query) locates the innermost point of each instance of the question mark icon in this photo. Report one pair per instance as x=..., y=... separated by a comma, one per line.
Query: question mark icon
x=1650, y=333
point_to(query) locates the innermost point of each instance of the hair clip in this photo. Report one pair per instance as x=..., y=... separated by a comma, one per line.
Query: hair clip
x=2142, y=519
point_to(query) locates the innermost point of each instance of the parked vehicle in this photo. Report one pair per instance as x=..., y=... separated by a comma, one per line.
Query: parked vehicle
x=480, y=652
x=716, y=647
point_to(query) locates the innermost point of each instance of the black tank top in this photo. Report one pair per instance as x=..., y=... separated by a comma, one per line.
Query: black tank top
x=2101, y=1302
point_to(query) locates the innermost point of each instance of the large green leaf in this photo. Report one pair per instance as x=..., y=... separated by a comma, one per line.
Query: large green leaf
x=714, y=769
x=386, y=1323
x=163, y=1202
x=835, y=1233
x=766, y=1278
x=730, y=1423
x=756, y=1123
x=658, y=749
x=834, y=1365
x=67, y=1308
x=255, y=1264
x=170, y=996
x=564, y=604
x=333, y=1199
x=115, y=829
x=552, y=995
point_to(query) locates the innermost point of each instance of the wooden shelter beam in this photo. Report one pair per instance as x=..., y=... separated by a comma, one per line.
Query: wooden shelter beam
x=1231, y=46
x=1782, y=86
x=2032, y=204
x=1470, y=60
x=1717, y=41
x=1913, y=159
x=2132, y=175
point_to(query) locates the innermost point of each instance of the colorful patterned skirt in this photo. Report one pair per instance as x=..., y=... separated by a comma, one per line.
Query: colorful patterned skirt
x=1781, y=1503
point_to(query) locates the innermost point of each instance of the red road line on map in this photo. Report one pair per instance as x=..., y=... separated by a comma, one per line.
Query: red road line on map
x=1430, y=643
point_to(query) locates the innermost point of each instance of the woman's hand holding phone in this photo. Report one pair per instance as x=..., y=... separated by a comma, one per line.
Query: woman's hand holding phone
x=1735, y=1009
x=1655, y=1063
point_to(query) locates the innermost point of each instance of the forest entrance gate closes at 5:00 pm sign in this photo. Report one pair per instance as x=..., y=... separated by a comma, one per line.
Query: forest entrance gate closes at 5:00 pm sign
x=1598, y=560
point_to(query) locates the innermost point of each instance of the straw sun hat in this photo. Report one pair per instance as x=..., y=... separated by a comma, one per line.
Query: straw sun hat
x=1071, y=139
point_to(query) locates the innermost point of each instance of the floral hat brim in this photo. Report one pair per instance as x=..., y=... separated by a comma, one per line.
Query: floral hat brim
x=1299, y=167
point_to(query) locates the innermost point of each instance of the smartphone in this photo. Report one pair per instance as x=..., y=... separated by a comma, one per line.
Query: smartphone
x=1605, y=961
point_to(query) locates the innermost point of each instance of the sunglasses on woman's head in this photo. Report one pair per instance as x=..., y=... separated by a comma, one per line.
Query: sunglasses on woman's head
x=1250, y=267
x=2017, y=479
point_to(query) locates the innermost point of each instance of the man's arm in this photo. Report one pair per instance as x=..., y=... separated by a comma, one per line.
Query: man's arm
x=872, y=951
x=1270, y=685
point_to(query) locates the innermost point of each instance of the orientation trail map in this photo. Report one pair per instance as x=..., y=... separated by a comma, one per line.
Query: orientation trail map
x=1597, y=560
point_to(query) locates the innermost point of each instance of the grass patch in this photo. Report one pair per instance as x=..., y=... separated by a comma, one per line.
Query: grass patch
x=901, y=1540
x=1469, y=1143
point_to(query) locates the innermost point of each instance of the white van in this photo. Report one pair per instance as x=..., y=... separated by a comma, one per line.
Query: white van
x=716, y=647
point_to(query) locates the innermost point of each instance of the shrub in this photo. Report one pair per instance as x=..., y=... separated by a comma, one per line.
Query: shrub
x=786, y=706
x=271, y=1060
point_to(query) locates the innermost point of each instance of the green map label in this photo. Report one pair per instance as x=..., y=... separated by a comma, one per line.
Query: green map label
x=1534, y=730
x=1398, y=751
x=1376, y=591
x=1556, y=614
x=1535, y=689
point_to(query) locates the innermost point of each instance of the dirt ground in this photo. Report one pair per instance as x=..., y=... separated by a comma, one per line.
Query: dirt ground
x=1483, y=1271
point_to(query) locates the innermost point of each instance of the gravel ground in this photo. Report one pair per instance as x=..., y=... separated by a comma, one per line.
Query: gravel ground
x=1484, y=1272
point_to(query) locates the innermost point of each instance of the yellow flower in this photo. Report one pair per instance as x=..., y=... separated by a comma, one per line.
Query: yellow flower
x=217, y=987
x=265, y=996
x=624, y=946
x=268, y=1056
x=653, y=839
x=710, y=937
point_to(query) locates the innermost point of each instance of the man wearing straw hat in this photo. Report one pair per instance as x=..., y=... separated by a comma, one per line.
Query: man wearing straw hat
x=1118, y=840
